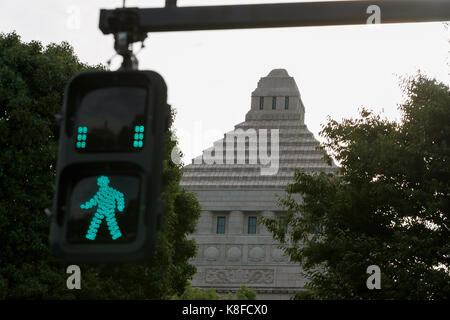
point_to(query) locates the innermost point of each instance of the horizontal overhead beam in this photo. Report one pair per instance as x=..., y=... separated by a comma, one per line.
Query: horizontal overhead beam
x=174, y=18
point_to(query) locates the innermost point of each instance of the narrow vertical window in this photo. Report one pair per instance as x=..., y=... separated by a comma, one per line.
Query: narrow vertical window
x=261, y=103
x=220, y=225
x=274, y=103
x=286, y=103
x=315, y=228
x=283, y=226
x=251, y=225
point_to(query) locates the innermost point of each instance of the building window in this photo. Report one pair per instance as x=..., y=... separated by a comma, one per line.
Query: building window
x=251, y=225
x=315, y=228
x=220, y=225
x=283, y=225
x=261, y=103
x=274, y=103
x=286, y=103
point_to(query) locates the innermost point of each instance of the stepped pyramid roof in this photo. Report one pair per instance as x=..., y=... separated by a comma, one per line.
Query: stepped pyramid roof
x=276, y=105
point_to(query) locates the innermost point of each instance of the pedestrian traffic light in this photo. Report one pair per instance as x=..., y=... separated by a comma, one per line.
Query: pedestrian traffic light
x=106, y=207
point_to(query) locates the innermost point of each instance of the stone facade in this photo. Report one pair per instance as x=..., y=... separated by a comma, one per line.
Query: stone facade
x=231, y=250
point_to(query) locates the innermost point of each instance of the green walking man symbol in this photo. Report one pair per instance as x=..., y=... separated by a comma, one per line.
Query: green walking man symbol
x=105, y=200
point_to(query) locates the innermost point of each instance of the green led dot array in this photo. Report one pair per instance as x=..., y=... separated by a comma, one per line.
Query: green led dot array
x=105, y=200
x=81, y=137
x=138, y=137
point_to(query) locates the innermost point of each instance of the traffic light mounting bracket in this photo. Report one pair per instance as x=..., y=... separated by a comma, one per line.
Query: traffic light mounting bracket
x=124, y=24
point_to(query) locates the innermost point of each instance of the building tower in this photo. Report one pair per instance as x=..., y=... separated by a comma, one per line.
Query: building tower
x=234, y=182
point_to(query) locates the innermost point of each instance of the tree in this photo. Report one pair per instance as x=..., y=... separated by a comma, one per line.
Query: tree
x=388, y=205
x=243, y=293
x=200, y=294
x=32, y=81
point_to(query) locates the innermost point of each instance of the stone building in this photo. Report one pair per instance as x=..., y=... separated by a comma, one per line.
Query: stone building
x=233, y=249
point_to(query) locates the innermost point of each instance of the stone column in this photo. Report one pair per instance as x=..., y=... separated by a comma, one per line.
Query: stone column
x=236, y=222
x=205, y=223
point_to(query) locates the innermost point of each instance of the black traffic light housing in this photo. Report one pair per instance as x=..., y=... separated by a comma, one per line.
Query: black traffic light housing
x=106, y=207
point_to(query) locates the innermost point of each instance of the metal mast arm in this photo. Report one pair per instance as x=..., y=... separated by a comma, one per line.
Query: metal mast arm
x=131, y=25
x=173, y=18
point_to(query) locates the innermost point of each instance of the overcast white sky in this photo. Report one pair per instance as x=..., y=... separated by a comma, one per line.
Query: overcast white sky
x=211, y=74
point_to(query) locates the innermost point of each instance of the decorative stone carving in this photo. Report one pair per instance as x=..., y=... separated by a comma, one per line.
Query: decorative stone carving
x=238, y=276
x=256, y=254
x=278, y=255
x=234, y=254
x=211, y=253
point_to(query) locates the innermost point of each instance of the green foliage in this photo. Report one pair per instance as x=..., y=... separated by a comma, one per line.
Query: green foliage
x=387, y=206
x=307, y=294
x=200, y=294
x=245, y=293
x=32, y=81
